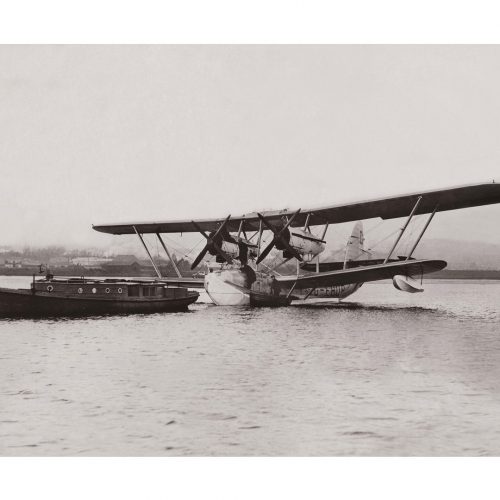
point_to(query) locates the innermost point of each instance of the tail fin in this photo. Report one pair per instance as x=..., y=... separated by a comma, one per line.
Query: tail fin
x=354, y=249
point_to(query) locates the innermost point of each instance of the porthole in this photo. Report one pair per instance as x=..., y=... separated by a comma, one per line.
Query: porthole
x=107, y=290
x=80, y=290
x=50, y=288
x=119, y=290
x=94, y=290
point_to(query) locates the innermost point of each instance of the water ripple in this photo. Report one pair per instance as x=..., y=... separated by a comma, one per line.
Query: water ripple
x=384, y=374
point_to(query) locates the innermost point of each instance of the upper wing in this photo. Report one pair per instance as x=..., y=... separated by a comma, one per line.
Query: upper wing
x=386, y=208
x=363, y=274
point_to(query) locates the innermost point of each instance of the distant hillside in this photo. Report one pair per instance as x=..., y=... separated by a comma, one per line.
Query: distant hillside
x=462, y=254
x=458, y=254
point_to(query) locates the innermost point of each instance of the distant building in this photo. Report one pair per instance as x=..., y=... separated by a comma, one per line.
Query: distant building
x=59, y=261
x=12, y=263
x=124, y=267
x=123, y=259
x=19, y=264
x=30, y=263
x=90, y=262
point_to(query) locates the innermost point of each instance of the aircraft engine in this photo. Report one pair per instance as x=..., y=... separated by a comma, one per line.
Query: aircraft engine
x=231, y=249
x=294, y=242
x=406, y=284
x=305, y=243
x=223, y=246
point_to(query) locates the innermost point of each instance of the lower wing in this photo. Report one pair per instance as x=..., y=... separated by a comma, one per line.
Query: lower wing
x=363, y=274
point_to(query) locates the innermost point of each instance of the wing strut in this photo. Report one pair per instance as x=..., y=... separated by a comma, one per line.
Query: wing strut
x=279, y=265
x=258, y=243
x=147, y=251
x=324, y=231
x=403, y=229
x=179, y=275
x=306, y=225
x=422, y=232
x=291, y=290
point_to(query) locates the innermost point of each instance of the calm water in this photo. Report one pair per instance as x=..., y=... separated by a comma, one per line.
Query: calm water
x=385, y=374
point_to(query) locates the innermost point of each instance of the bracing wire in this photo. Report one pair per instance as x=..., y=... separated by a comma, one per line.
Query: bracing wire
x=182, y=248
x=414, y=224
x=382, y=240
x=157, y=251
x=341, y=250
x=420, y=221
x=369, y=230
x=406, y=238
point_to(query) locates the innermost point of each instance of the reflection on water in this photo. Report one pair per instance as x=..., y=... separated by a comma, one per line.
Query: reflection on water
x=384, y=374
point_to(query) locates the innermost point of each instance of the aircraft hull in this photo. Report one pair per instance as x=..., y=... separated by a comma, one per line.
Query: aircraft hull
x=235, y=287
x=231, y=287
x=218, y=285
x=326, y=293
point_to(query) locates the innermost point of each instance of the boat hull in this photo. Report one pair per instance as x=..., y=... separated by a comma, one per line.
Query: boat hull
x=23, y=303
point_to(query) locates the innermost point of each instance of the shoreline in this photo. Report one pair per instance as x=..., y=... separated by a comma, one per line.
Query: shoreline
x=446, y=274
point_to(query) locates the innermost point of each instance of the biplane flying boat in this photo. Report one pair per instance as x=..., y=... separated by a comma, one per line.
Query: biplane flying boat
x=240, y=277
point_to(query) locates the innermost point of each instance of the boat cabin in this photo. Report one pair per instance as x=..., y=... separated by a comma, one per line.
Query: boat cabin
x=117, y=289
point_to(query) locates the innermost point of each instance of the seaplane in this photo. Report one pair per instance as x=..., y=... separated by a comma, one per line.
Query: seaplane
x=239, y=275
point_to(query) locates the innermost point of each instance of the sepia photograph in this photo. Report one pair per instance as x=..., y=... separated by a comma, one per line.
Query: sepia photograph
x=259, y=250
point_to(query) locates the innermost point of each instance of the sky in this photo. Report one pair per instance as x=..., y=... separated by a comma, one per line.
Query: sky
x=94, y=134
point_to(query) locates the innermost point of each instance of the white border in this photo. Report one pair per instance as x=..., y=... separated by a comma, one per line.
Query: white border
x=249, y=478
x=259, y=21
x=256, y=21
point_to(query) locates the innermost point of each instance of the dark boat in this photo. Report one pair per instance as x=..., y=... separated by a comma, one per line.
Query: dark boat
x=86, y=296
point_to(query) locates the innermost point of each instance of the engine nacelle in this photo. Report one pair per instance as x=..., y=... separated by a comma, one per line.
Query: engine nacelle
x=231, y=249
x=305, y=243
x=406, y=284
x=294, y=242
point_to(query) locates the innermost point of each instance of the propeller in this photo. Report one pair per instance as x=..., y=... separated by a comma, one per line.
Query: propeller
x=280, y=240
x=214, y=240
